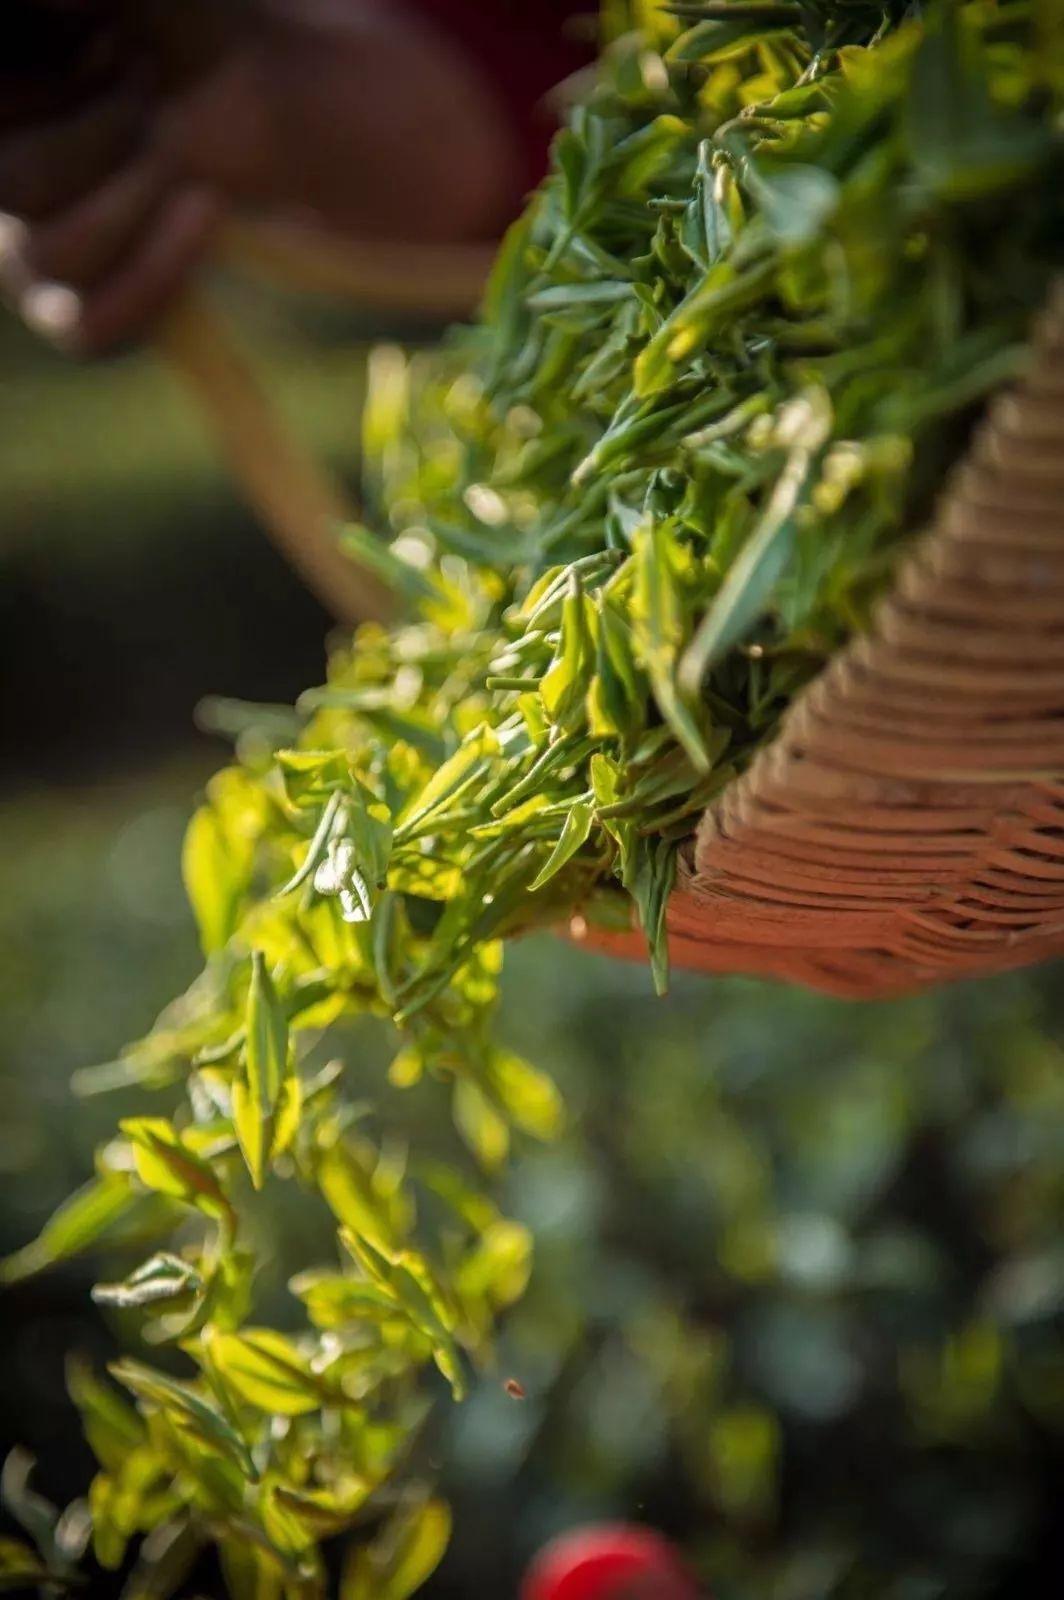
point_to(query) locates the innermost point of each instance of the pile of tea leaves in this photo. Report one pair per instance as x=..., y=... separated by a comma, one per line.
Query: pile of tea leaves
x=784, y=253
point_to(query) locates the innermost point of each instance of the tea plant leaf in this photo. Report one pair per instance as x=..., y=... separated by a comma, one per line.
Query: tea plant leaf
x=20, y=1567
x=574, y=835
x=111, y=1426
x=267, y=1097
x=349, y=1191
x=216, y=864
x=165, y=1163
x=189, y=1411
x=265, y=1370
x=654, y=876
x=755, y=572
x=402, y=1558
x=80, y=1222
x=659, y=629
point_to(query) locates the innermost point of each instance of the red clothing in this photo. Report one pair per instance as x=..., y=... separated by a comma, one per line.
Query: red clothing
x=525, y=48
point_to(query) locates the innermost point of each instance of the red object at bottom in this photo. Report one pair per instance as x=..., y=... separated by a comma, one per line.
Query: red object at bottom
x=609, y=1563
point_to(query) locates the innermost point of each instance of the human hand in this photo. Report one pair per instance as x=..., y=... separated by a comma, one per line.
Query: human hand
x=127, y=136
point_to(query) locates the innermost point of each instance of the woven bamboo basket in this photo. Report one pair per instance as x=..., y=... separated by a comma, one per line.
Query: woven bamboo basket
x=906, y=825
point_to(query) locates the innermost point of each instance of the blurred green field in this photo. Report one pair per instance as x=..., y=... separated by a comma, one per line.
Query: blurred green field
x=800, y=1280
x=81, y=442
x=132, y=579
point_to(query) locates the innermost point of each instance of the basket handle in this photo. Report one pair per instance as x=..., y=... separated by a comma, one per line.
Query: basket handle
x=298, y=501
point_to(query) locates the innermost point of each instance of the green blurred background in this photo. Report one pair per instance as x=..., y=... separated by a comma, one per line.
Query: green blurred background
x=800, y=1276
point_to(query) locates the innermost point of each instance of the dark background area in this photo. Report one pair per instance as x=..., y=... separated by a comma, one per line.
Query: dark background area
x=800, y=1274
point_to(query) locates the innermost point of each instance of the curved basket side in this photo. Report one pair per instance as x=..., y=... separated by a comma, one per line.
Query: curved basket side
x=907, y=823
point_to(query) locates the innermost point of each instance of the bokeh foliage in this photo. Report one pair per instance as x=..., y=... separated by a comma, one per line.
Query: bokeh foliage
x=799, y=1290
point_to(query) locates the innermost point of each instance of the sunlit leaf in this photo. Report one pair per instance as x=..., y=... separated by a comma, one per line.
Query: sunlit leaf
x=165, y=1163
x=112, y=1427
x=267, y=1097
x=189, y=1411
x=265, y=1370
x=80, y=1222
x=402, y=1558
x=217, y=860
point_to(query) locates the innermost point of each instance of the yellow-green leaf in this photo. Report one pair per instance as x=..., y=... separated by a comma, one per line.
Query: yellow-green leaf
x=166, y=1164
x=479, y=1123
x=530, y=1097
x=267, y=1036
x=564, y=684
x=266, y=1100
x=77, y=1225
x=188, y=1410
x=350, y=1195
x=402, y=1558
x=266, y=1370
x=216, y=864
x=574, y=835
x=20, y=1567
x=250, y=1573
x=111, y=1425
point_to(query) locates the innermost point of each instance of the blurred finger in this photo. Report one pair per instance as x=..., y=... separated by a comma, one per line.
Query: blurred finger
x=129, y=300
x=14, y=274
x=48, y=166
x=79, y=245
x=53, y=310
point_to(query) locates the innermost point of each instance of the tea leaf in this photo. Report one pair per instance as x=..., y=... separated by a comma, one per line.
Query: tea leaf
x=575, y=833
x=111, y=1426
x=402, y=1558
x=79, y=1223
x=189, y=1411
x=216, y=865
x=266, y=1099
x=20, y=1567
x=265, y=1370
x=166, y=1164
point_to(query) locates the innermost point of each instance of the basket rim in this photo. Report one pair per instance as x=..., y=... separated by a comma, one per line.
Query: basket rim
x=817, y=864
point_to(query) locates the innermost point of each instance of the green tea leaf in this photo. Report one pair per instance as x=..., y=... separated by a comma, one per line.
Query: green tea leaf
x=402, y=1558
x=528, y=1096
x=576, y=830
x=659, y=629
x=111, y=1426
x=165, y=1163
x=265, y=1370
x=20, y=1567
x=216, y=864
x=655, y=874
x=80, y=1222
x=564, y=684
x=267, y=1097
x=753, y=576
x=350, y=1194
x=189, y=1411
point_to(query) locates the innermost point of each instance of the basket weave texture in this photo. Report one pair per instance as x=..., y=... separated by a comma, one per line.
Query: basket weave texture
x=906, y=826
